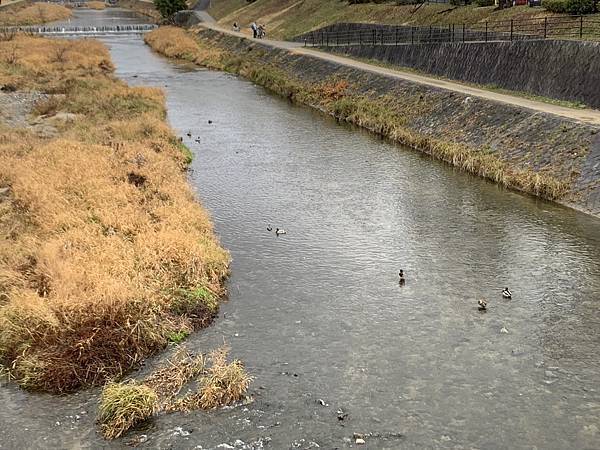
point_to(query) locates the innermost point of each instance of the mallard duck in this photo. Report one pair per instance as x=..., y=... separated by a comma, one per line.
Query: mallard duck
x=482, y=305
x=401, y=276
x=506, y=293
x=269, y=228
x=280, y=231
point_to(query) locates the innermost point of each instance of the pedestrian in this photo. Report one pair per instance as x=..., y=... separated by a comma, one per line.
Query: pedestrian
x=254, y=30
x=261, y=32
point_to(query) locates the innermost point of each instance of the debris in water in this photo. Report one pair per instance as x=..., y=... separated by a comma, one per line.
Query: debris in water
x=181, y=432
x=503, y=330
x=360, y=441
x=322, y=402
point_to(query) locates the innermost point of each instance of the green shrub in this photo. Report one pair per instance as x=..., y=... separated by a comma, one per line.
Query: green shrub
x=570, y=6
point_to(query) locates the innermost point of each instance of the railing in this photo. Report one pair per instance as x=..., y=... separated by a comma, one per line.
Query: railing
x=558, y=27
x=114, y=29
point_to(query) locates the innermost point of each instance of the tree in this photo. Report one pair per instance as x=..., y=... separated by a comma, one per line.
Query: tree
x=169, y=7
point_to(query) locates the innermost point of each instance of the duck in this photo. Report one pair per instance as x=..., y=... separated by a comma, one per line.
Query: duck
x=209, y=121
x=189, y=134
x=269, y=228
x=482, y=305
x=401, y=275
x=197, y=140
x=506, y=293
x=280, y=231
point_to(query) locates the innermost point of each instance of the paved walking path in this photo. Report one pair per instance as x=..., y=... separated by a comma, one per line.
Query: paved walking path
x=590, y=116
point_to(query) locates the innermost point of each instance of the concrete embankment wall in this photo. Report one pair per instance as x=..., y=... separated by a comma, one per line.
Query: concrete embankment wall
x=565, y=70
x=524, y=139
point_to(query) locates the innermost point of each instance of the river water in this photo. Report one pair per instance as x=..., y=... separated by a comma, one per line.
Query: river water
x=318, y=314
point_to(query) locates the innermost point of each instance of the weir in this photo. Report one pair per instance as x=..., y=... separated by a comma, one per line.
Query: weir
x=82, y=30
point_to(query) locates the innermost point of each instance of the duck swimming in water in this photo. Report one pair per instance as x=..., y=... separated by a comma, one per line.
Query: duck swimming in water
x=280, y=232
x=269, y=228
x=401, y=275
x=189, y=134
x=506, y=293
x=482, y=305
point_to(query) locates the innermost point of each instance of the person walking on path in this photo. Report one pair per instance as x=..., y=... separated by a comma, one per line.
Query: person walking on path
x=254, y=29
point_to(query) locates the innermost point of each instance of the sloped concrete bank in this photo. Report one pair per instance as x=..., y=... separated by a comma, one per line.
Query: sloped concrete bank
x=560, y=69
x=538, y=153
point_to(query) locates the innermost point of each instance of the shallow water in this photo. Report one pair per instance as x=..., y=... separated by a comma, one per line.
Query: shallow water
x=318, y=313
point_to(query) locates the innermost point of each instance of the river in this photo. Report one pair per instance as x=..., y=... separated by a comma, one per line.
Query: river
x=318, y=314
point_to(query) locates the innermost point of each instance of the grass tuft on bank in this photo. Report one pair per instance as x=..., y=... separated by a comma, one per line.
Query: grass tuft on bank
x=105, y=254
x=37, y=13
x=385, y=115
x=124, y=405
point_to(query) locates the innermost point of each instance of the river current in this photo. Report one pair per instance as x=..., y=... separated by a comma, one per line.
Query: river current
x=318, y=315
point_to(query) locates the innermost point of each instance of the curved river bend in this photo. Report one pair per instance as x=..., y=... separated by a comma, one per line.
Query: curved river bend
x=318, y=313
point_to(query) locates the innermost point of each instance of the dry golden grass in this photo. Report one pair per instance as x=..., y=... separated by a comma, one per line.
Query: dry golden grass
x=125, y=405
x=37, y=13
x=222, y=384
x=219, y=383
x=386, y=115
x=101, y=237
x=175, y=42
x=168, y=380
x=95, y=5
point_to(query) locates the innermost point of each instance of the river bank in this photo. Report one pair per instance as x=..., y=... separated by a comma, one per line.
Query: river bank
x=103, y=267
x=539, y=154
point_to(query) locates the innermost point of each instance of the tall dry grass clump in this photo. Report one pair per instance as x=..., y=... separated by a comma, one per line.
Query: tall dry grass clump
x=125, y=405
x=105, y=253
x=177, y=43
x=95, y=5
x=218, y=383
x=35, y=14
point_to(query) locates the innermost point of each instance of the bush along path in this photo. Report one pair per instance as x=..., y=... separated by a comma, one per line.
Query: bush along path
x=105, y=254
x=482, y=132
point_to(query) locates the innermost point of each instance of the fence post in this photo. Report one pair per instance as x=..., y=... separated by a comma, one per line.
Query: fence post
x=545, y=27
x=449, y=38
x=430, y=30
x=580, y=27
x=327, y=39
x=412, y=35
x=396, y=38
x=486, y=32
x=360, y=38
x=511, y=29
x=463, y=32
x=453, y=31
x=374, y=36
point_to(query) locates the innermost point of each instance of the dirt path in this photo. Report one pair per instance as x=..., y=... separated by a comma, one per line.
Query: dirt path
x=590, y=116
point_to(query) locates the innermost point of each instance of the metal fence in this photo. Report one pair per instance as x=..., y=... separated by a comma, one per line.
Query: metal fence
x=557, y=27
